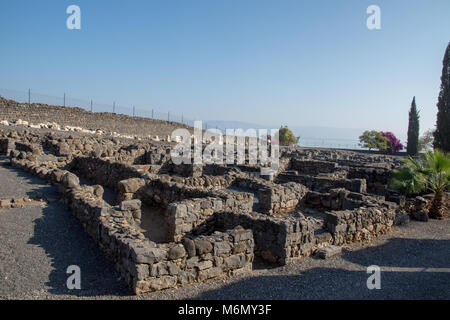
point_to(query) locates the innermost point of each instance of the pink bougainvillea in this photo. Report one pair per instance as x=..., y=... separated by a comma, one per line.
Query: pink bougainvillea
x=394, y=144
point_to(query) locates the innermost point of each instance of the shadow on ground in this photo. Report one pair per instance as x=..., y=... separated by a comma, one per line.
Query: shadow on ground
x=404, y=253
x=66, y=243
x=339, y=283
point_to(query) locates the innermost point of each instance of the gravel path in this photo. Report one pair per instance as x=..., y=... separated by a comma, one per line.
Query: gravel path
x=38, y=244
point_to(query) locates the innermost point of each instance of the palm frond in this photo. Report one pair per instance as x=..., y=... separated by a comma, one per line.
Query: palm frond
x=432, y=172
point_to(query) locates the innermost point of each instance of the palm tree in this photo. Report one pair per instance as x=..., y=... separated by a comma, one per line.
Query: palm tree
x=432, y=172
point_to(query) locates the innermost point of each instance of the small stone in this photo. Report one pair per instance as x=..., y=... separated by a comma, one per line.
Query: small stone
x=132, y=205
x=162, y=283
x=203, y=246
x=234, y=261
x=148, y=255
x=204, y=265
x=209, y=273
x=189, y=245
x=98, y=191
x=420, y=216
x=177, y=252
x=328, y=251
x=69, y=180
x=63, y=149
x=221, y=248
x=401, y=219
x=5, y=203
x=130, y=185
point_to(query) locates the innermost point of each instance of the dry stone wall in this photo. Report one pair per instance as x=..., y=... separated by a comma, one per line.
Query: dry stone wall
x=377, y=179
x=277, y=240
x=145, y=265
x=105, y=172
x=196, y=215
x=359, y=225
x=212, y=229
x=341, y=199
x=323, y=184
x=312, y=167
x=281, y=197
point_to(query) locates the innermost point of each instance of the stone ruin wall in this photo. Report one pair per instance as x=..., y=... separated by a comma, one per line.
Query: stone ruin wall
x=281, y=197
x=323, y=184
x=212, y=230
x=341, y=199
x=145, y=265
x=283, y=240
x=359, y=225
x=312, y=167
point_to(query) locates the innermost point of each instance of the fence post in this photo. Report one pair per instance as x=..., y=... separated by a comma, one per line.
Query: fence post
x=133, y=111
x=91, y=105
x=152, y=114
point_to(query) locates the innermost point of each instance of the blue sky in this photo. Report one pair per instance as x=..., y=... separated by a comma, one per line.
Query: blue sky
x=290, y=62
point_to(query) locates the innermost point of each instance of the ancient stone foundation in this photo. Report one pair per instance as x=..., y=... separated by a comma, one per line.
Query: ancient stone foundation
x=165, y=225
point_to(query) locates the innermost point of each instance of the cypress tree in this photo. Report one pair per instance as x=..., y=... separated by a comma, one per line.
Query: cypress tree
x=413, y=130
x=442, y=133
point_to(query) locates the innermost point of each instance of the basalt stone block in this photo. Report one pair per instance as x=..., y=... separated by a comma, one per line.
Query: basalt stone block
x=222, y=248
x=204, y=265
x=203, y=246
x=177, y=252
x=240, y=234
x=140, y=271
x=420, y=216
x=332, y=218
x=163, y=283
x=235, y=261
x=192, y=262
x=98, y=191
x=189, y=245
x=328, y=252
x=70, y=181
x=133, y=205
x=185, y=277
x=209, y=273
x=63, y=149
x=147, y=255
x=401, y=219
x=130, y=185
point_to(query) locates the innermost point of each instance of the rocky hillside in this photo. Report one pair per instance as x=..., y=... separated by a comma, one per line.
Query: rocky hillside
x=11, y=110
